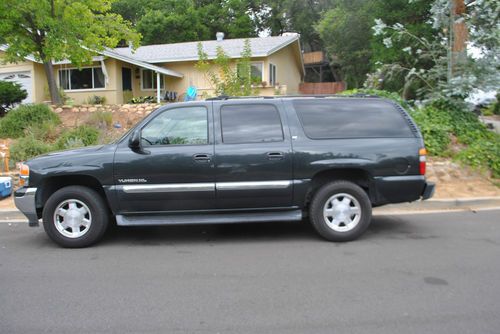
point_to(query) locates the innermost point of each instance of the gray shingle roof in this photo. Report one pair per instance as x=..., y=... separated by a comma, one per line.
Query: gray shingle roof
x=164, y=53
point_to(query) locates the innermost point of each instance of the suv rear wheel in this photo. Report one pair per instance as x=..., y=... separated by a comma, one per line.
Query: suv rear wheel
x=75, y=216
x=340, y=211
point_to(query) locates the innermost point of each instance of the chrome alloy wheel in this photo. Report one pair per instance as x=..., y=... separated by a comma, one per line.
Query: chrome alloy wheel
x=72, y=218
x=342, y=212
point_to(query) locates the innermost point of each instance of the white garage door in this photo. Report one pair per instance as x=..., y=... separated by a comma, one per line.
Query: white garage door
x=23, y=78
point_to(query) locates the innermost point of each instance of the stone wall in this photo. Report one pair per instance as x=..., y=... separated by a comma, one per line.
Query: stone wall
x=126, y=115
x=141, y=109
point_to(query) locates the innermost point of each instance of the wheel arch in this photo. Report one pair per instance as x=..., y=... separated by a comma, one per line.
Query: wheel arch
x=358, y=176
x=52, y=184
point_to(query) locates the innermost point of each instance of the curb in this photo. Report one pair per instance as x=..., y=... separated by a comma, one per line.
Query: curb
x=434, y=205
x=443, y=204
x=11, y=214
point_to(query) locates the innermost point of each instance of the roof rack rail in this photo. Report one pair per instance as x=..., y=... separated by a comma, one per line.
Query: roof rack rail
x=363, y=95
x=227, y=97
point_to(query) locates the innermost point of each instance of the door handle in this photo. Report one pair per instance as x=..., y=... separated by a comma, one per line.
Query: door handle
x=275, y=155
x=201, y=157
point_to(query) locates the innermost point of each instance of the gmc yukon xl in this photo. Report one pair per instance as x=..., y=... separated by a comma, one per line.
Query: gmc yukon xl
x=230, y=160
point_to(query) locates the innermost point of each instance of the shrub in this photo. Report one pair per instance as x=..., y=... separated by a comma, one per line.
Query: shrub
x=81, y=136
x=485, y=154
x=47, y=131
x=100, y=119
x=11, y=93
x=95, y=99
x=435, y=127
x=28, y=147
x=381, y=93
x=465, y=125
x=63, y=97
x=127, y=96
x=443, y=119
x=14, y=124
x=494, y=108
x=143, y=99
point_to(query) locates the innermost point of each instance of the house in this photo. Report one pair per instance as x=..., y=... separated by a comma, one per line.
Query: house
x=120, y=73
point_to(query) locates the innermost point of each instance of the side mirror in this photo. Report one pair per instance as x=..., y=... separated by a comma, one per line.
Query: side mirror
x=134, y=141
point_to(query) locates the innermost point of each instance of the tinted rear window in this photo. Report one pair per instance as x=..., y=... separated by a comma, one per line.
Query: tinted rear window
x=250, y=123
x=367, y=118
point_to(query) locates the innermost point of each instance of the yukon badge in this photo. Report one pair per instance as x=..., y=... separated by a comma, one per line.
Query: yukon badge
x=132, y=181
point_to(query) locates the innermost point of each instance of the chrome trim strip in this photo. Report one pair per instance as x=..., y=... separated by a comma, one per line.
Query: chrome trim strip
x=167, y=188
x=401, y=178
x=253, y=185
x=186, y=187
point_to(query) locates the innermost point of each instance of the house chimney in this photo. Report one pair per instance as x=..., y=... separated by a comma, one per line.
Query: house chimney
x=219, y=35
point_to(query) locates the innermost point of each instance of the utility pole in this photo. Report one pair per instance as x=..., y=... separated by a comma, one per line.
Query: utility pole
x=458, y=36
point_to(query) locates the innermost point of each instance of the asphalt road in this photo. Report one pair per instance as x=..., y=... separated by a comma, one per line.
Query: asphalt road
x=428, y=273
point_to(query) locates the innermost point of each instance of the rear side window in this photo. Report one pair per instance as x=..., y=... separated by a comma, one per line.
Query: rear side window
x=368, y=118
x=250, y=123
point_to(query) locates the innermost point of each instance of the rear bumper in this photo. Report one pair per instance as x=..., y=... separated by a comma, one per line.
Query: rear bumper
x=429, y=189
x=400, y=189
x=24, y=198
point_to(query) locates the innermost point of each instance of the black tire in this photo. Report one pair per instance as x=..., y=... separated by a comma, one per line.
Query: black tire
x=97, y=211
x=337, y=188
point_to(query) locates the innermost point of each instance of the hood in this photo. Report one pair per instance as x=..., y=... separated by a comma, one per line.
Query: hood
x=70, y=152
x=80, y=158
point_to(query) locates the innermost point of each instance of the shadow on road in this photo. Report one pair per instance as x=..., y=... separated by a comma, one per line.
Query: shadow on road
x=382, y=227
x=187, y=234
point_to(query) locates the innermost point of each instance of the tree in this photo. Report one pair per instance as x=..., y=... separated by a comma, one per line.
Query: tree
x=414, y=15
x=172, y=21
x=279, y=16
x=228, y=77
x=447, y=77
x=236, y=18
x=158, y=27
x=11, y=93
x=53, y=30
x=345, y=32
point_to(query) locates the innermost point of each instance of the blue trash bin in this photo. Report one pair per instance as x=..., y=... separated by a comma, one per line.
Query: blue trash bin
x=5, y=186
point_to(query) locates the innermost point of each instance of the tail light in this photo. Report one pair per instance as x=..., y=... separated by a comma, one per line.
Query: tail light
x=422, y=157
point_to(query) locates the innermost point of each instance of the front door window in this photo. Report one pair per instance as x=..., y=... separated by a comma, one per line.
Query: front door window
x=180, y=126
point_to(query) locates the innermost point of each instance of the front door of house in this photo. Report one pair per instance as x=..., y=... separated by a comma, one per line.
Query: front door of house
x=126, y=79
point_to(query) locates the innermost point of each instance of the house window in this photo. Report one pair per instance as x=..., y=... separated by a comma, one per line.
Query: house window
x=256, y=72
x=148, y=80
x=272, y=75
x=86, y=78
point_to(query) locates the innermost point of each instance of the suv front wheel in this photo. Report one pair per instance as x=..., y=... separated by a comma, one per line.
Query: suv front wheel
x=340, y=211
x=75, y=216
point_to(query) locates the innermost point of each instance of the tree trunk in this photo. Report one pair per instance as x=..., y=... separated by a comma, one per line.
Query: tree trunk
x=51, y=80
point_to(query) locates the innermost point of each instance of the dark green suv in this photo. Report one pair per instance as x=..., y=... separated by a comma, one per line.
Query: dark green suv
x=229, y=160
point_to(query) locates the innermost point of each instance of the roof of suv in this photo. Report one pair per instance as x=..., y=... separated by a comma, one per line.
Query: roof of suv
x=225, y=97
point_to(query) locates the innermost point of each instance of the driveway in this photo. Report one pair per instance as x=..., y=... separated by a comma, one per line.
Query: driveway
x=427, y=273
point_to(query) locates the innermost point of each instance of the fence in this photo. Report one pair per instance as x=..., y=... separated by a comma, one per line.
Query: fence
x=321, y=87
